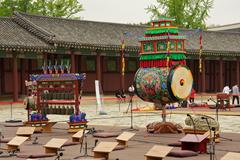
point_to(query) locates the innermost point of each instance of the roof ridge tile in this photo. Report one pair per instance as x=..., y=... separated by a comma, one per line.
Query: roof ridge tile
x=81, y=20
x=31, y=27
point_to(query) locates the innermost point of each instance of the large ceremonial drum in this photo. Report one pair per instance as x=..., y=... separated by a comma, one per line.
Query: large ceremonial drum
x=163, y=85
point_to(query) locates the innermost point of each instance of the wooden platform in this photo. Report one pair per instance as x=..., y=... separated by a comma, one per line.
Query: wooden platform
x=54, y=145
x=78, y=137
x=15, y=143
x=201, y=132
x=45, y=126
x=103, y=149
x=157, y=152
x=231, y=156
x=139, y=145
x=123, y=138
x=76, y=126
x=25, y=131
x=195, y=142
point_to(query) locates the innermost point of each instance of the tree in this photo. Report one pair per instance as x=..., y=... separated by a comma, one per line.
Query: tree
x=187, y=13
x=54, y=8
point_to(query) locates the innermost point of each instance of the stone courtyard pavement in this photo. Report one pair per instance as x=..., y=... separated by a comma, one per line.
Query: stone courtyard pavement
x=229, y=120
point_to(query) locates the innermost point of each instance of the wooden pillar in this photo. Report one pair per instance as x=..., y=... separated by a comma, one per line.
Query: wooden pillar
x=122, y=82
x=203, y=75
x=77, y=61
x=99, y=69
x=15, y=77
x=221, y=73
x=2, y=70
x=1, y=75
x=237, y=72
x=216, y=76
x=23, y=75
x=45, y=58
x=198, y=76
x=73, y=67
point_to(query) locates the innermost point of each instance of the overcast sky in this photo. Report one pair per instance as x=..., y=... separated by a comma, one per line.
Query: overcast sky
x=133, y=11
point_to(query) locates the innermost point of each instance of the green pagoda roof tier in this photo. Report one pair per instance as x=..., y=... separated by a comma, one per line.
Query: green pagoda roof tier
x=174, y=56
x=161, y=38
x=161, y=30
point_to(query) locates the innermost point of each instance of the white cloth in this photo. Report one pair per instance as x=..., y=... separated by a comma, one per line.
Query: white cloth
x=235, y=89
x=226, y=90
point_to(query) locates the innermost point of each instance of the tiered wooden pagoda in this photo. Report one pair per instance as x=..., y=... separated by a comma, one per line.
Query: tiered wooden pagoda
x=162, y=46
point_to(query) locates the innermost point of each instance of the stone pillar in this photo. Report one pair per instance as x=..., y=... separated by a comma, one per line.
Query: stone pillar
x=221, y=73
x=73, y=67
x=203, y=75
x=15, y=77
x=99, y=69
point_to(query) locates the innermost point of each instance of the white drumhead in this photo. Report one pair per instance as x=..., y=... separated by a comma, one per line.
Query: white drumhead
x=182, y=82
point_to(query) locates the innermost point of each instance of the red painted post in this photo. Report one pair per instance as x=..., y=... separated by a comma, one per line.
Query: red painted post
x=23, y=75
x=237, y=72
x=122, y=65
x=221, y=73
x=98, y=67
x=73, y=67
x=1, y=75
x=15, y=78
x=77, y=101
x=203, y=75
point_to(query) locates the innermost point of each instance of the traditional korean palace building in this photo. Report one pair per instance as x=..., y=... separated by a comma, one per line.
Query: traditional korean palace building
x=26, y=41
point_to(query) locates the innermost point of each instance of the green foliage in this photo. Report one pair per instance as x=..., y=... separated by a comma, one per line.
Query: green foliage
x=54, y=8
x=187, y=13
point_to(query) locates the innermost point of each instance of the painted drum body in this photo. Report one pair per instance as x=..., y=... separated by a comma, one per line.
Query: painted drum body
x=163, y=85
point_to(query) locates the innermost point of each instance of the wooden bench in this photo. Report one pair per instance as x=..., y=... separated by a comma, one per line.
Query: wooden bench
x=123, y=138
x=231, y=156
x=25, y=131
x=54, y=145
x=103, y=149
x=157, y=152
x=78, y=137
x=15, y=143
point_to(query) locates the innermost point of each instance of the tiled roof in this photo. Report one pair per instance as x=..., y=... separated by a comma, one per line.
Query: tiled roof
x=228, y=27
x=15, y=38
x=68, y=33
x=214, y=42
x=76, y=33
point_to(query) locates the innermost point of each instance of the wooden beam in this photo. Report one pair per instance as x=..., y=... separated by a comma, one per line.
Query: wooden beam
x=15, y=78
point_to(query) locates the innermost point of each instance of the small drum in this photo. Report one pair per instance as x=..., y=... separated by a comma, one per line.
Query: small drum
x=163, y=85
